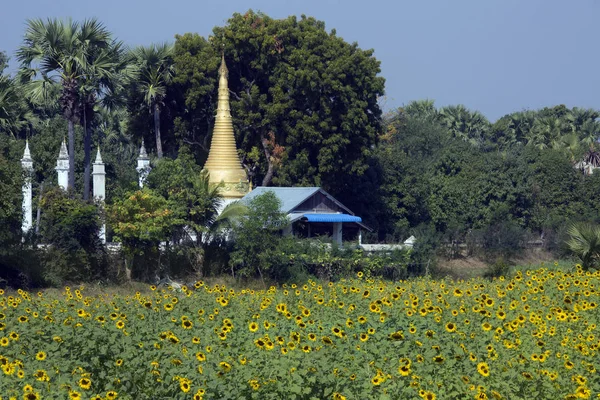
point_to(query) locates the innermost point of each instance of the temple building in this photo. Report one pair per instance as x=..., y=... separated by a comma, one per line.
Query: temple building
x=223, y=163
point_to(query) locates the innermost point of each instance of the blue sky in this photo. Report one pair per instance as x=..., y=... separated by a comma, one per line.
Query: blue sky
x=495, y=56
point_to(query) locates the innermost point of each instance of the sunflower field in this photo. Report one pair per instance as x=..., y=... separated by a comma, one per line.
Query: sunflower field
x=532, y=336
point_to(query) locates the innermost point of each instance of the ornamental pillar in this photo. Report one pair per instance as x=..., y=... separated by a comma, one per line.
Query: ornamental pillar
x=27, y=165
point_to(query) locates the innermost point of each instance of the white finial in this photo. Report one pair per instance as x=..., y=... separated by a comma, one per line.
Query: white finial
x=26, y=153
x=143, y=154
x=98, y=157
x=64, y=154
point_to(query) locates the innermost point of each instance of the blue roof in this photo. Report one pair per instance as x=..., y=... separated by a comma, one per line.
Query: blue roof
x=291, y=197
x=331, y=217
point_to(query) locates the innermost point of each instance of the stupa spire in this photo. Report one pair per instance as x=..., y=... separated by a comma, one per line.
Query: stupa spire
x=223, y=163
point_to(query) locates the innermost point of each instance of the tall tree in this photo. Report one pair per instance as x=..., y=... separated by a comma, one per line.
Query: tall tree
x=155, y=73
x=13, y=110
x=60, y=51
x=102, y=82
x=3, y=61
x=471, y=126
x=300, y=95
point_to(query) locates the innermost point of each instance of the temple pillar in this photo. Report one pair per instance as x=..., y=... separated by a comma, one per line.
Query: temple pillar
x=99, y=178
x=62, y=166
x=143, y=166
x=27, y=165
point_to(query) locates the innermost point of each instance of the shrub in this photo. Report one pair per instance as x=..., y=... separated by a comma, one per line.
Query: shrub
x=70, y=228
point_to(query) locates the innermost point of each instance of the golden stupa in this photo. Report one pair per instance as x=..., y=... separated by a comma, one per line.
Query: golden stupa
x=223, y=163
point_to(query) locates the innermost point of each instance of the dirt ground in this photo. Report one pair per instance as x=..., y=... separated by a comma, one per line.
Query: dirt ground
x=470, y=267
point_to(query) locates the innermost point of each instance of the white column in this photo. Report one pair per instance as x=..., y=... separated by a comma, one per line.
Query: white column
x=143, y=165
x=337, y=232
x=359, y=236
x=27, y=165
x=62, y=166
x=99, y=177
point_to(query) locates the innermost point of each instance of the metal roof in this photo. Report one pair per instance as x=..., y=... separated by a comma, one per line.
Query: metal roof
x=291, y=197
x=331, y=217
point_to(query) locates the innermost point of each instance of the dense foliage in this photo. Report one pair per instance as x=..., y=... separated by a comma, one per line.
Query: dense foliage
x=305, y=110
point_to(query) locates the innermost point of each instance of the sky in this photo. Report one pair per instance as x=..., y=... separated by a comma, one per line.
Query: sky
x=494, y=56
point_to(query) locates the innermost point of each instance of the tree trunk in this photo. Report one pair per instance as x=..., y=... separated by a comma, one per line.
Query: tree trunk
x=39, y=210
x=71, y=183
x=159, y=151
x=87, y=139
x=270, y=169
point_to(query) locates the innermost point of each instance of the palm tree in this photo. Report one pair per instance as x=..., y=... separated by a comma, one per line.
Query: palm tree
x=102, y=82
x=465, y=124
x=421, y=109
x=155, y=72
x=64, y=52
x=584, y=242
x=13, y=113
x=53, y=50
x=547, y=132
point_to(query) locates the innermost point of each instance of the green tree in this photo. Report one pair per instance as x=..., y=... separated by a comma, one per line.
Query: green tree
x=58, y=50
x=192, y=200
x=3, y=61
x=107, y=69
x=14, y=113
x=140, y=221
x=256, y=236
x=471, y=126
x=295, y=87
x=10, y=203
x=155, y=72
x=584, y=242
x=71, y=226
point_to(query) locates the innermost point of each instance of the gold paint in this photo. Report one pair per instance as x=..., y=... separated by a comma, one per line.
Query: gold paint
x=223, y=163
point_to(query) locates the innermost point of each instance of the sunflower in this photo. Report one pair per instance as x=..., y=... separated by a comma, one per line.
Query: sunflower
x=363, y=337
x=451, y=327
x=253, y=326
x=41, y=356
x=404, y=370
x=4, y=342
x=74, y=395
x=30, y=396
x=429, y=396
x=119, y=362
x=483, y=368
x=111, y=395
x=377, y=380
x=187, y=324
x=120, y=324
x=85, y=383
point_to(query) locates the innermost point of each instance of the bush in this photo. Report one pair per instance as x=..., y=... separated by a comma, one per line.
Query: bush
x=497, y=269
x=502, y=239
x=70, y=228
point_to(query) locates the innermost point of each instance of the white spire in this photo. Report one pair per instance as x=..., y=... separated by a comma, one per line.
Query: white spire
x=27, y=165
x=98, y=157
x=143, y=165
x=143, y=154
x=62, y=166
x=26, y=153
x=64, y=154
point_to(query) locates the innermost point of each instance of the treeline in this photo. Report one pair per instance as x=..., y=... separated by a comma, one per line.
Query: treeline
x=452, y=173
x=306, y=112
